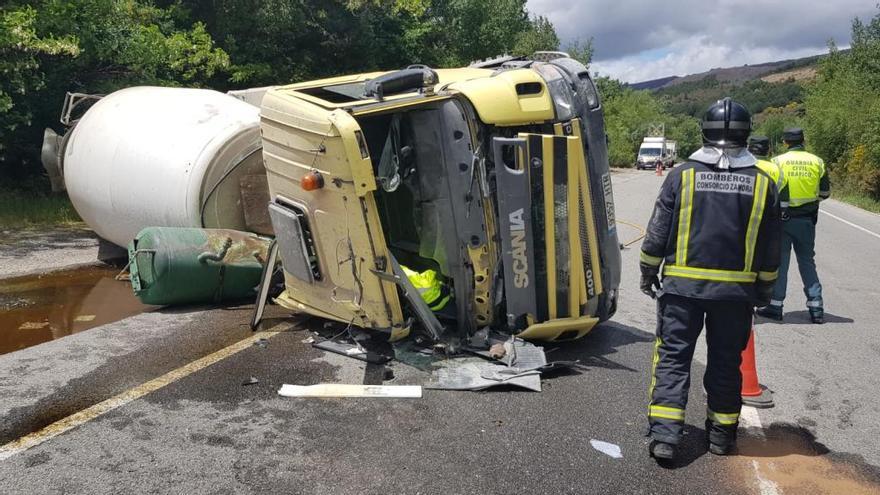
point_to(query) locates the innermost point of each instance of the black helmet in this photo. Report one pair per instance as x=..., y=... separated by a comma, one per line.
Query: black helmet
x=727, y=124
x=759, y=145
x=794, y=135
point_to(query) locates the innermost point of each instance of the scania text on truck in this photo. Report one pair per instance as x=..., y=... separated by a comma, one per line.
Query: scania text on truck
x=495, y=176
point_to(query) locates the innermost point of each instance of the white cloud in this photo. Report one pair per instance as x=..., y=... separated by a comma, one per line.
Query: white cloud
x=691, y=56
x=699, y=35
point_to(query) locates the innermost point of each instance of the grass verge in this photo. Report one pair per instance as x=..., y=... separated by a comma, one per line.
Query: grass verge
x=857, y=199
x=33, y=209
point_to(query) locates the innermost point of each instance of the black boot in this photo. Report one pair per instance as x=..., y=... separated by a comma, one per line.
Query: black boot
x=722, y=439
x=817, y=316
x=770, y=312
x=662, y=451
x=719, y=449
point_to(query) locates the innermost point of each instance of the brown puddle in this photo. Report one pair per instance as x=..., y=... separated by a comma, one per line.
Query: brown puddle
x=790, y=458
x=40, y=308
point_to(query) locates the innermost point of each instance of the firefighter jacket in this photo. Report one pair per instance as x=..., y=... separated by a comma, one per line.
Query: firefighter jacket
x=716, y=232
x=807, y=181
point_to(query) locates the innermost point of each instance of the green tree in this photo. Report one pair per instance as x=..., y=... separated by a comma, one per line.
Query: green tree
x=684, y=130
x=773, y=121
x=540, y=35
x=94, y=46
x=581, y=50
x=276, y=41
x=842, y=107
x=628, y=114
x=21, y=50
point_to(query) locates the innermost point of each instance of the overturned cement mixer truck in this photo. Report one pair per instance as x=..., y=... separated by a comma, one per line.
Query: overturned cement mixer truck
x=494, y=177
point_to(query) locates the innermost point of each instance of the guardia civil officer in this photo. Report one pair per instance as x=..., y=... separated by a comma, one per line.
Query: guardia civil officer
x=714, y=238
x=808, y=184
x=759, y=146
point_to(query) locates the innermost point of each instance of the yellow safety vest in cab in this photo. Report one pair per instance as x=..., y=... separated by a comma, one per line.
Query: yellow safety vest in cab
x=805, y=176
x=434, y=292
x=718, y=232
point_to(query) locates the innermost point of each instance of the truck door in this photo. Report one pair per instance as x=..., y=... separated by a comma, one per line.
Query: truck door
x=336, y=262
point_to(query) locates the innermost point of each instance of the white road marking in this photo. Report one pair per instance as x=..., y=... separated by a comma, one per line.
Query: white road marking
x=749, y=418
x=851, y=224
x=80, y=418
x=765, y=486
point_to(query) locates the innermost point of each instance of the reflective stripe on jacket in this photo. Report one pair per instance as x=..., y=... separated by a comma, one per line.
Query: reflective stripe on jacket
x=806, y=177
x=778, y=176
x=434, y=292
x=716, y=232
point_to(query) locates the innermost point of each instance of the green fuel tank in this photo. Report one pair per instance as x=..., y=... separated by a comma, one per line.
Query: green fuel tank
x=174, y=266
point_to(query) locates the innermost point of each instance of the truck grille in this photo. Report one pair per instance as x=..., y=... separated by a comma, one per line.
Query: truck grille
x=550, y=179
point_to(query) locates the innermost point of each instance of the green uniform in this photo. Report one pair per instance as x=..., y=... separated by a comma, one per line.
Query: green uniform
x=806, y=183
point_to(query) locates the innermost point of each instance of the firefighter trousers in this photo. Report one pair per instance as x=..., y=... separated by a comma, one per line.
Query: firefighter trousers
x=679, y=323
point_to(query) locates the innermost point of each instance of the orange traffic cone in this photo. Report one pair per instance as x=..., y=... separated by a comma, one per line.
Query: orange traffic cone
x=753, y=393
x=658, y=170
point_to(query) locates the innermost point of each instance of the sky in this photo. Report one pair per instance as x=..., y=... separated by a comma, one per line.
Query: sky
x=640, y=40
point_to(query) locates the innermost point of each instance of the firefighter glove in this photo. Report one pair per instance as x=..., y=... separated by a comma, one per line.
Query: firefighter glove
x=650, y=284
x=764, y=292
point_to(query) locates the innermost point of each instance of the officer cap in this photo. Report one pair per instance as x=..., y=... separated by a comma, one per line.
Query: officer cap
x=793, y=135
x=727, y=124
x=759, y=145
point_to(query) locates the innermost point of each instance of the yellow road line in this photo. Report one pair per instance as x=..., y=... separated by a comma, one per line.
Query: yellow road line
x=74, y=420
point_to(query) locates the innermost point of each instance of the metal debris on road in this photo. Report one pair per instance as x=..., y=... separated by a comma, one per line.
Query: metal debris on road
x=250, y=381
x=610, y=449
x=481, y=375
x=353, y=351
x=514, y=362
x=342, y=390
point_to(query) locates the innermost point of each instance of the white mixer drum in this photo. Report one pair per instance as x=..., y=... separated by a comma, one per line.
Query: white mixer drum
x=166, y=157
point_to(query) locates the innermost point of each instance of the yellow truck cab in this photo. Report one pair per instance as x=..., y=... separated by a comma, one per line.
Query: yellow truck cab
x=494, y=175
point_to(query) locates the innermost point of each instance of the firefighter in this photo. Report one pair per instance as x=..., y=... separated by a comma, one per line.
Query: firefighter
x=714, y=237
x=808, y=184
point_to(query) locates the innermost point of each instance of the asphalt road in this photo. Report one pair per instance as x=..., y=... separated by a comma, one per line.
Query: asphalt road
x=209, y=433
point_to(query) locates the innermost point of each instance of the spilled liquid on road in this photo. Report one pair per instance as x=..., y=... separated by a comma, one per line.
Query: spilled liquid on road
x=40, y=308
x=789, y=457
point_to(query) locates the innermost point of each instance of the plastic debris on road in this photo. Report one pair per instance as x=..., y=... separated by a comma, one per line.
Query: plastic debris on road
x=342, y=390
x=610, y=449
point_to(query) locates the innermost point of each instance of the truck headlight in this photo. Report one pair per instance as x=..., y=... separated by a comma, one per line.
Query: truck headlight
x=560, y=91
